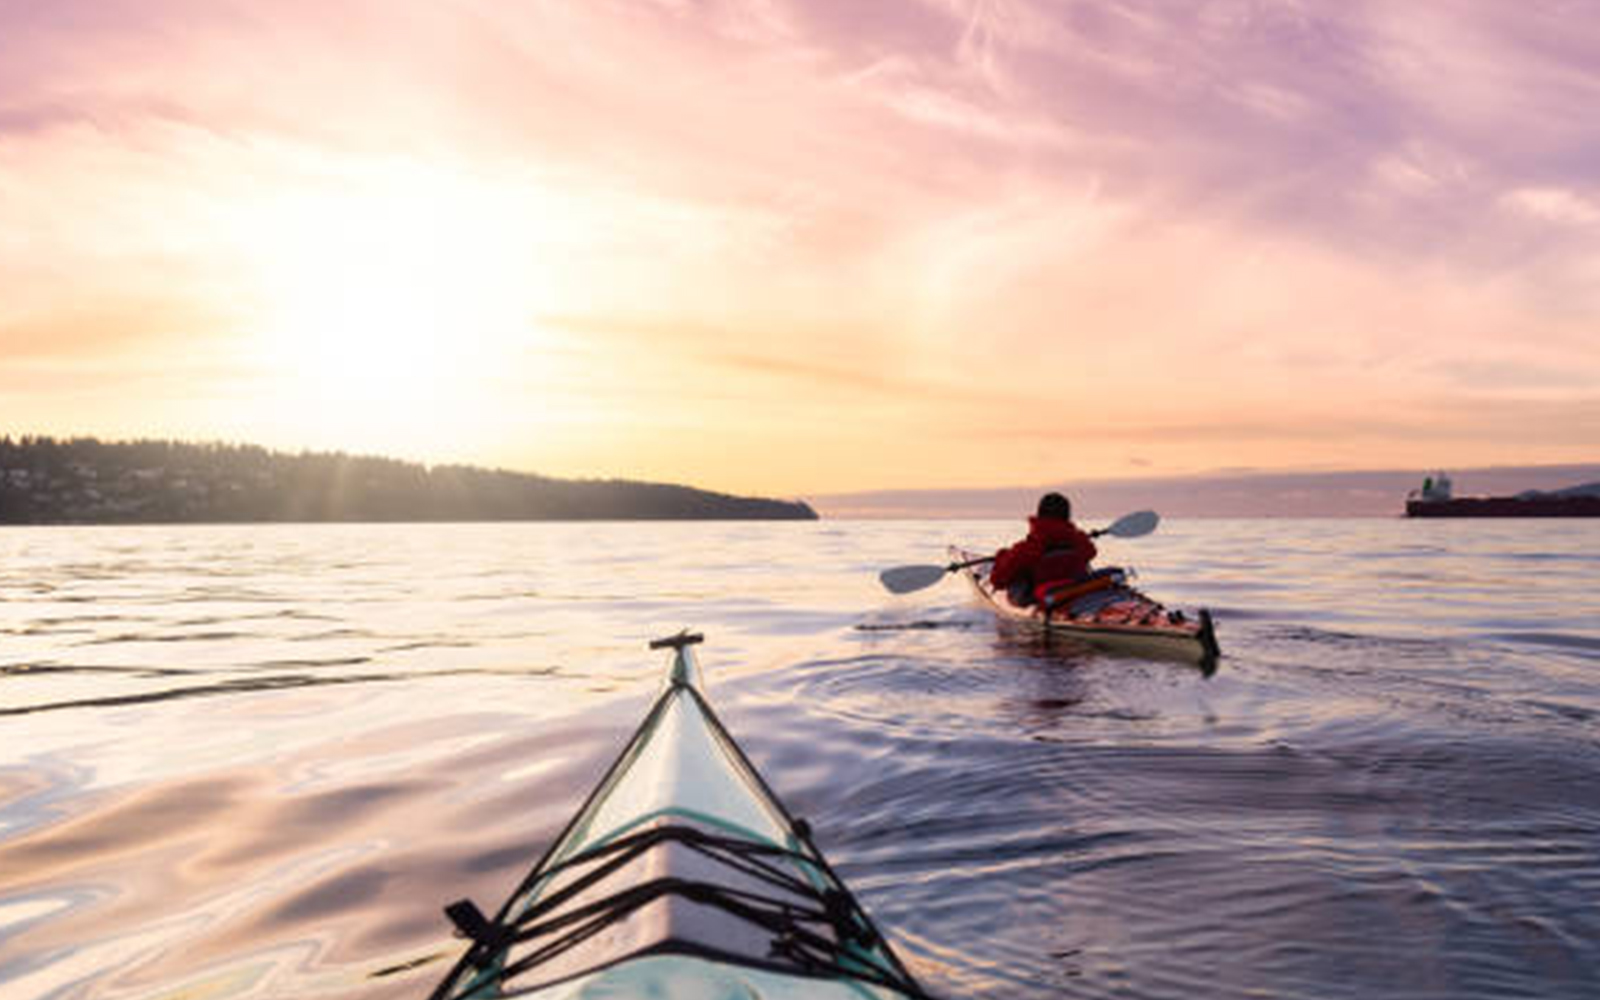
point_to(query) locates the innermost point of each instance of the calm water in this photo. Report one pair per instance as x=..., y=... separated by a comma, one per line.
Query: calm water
x=256, y=762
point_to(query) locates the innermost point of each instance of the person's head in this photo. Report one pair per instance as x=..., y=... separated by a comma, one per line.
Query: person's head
x=1055, y=505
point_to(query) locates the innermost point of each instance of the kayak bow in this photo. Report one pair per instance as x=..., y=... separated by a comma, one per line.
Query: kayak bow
x=1107, y=613
x=682, y=875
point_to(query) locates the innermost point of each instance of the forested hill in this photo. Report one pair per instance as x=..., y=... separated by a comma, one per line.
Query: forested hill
x=87, y=481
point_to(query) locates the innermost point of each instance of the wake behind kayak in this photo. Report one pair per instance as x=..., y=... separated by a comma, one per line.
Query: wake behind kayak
x=682, y=875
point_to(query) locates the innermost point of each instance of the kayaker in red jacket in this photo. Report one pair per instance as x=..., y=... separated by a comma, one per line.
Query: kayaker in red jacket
x=1055, y=551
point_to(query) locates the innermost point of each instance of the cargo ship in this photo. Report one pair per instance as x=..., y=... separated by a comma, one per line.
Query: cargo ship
x=1436, y=500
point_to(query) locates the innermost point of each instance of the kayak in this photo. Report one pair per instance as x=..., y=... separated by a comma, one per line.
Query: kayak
x=681, y=876
x=1106, y=612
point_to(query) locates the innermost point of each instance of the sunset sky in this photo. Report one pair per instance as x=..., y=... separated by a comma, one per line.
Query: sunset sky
x=802, y=246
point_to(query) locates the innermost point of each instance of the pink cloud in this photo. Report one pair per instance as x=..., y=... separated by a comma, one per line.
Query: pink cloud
x=1196, y=206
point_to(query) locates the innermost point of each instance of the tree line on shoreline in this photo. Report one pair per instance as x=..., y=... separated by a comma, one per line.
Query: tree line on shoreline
x=84, y=480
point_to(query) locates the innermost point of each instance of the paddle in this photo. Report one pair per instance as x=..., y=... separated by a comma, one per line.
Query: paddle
x=905, y=579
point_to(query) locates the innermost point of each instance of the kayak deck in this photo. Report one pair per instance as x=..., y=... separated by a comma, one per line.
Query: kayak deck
x=1112, y=616
x=681, y=875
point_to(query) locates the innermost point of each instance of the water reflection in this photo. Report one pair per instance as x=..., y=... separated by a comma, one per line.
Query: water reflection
x=256, y=762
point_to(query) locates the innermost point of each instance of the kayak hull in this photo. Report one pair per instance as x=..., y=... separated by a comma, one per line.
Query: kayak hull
x=1123, y=620
x=682, y=875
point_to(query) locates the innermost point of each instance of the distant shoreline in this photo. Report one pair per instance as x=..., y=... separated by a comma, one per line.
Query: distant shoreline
x=85, y=481
x=4, y=523
x=1231, y=494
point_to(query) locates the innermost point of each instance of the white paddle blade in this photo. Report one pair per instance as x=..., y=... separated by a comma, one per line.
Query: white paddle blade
x=1140, y=522
x=905, y=579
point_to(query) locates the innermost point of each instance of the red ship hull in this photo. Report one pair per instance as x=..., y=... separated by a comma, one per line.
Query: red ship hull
x=1582, y=506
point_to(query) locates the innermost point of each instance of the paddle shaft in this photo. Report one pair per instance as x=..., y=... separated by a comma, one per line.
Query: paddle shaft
x=970, y=562
x=905, y=579
x=1096, y=533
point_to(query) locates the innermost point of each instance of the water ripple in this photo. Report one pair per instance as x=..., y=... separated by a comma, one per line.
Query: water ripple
x=256, y=761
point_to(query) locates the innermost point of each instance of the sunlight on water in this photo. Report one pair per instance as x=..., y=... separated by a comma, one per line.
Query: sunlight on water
x=257, y=761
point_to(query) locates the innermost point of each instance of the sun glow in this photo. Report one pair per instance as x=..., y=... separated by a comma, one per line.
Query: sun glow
x=394, y=308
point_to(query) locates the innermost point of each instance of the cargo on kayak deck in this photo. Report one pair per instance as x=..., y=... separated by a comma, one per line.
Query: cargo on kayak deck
x=1104, y=611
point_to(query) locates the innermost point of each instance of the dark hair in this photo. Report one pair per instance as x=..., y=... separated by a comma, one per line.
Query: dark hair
x=1055, y=505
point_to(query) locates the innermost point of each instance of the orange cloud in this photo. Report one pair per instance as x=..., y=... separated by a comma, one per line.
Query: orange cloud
x=779, y=244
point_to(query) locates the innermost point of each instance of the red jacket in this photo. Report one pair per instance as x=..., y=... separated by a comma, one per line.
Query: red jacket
x=1054, y=551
